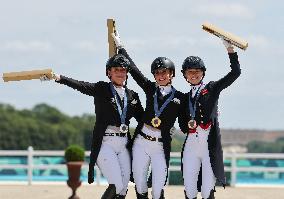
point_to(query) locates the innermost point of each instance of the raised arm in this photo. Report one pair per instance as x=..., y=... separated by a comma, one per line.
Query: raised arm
x=84, y=87
x=137, y=75
x=141, y=80
x=235, y=72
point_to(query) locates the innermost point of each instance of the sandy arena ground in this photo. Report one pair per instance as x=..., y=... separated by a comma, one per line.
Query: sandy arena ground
x=61, y=191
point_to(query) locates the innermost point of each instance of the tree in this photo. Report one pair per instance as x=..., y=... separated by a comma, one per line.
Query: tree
x=43, y=127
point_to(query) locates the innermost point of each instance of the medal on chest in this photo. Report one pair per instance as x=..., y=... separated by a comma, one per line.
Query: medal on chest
x=122, y=111
x=123, y=128
x=156, y=121
x=192, y=124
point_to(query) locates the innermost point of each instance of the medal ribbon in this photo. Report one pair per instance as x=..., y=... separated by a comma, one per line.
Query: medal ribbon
x=192, y=107
x=156, y=106
x=122, y=112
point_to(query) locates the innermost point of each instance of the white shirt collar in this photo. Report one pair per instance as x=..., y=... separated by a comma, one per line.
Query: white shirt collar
x=165, y=89
x=120, y=91
x=194, y=89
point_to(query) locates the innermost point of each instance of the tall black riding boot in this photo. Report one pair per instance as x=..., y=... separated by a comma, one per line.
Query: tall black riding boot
x=110, y=192
x=188, y=197
x=211, y=196
x=162, y=196
x=142, y=196
x=119, y=196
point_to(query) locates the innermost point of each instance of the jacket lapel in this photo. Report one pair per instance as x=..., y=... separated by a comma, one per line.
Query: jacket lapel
x=129, y=96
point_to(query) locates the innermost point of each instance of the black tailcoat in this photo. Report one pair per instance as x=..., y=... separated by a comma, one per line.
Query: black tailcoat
x=169, y=114
x=106, y=112
x=206, y=112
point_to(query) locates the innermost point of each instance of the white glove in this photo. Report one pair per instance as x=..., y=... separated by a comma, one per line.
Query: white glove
x=44, y=78
x=173, y=131
x=226, y=43
x=117, y=40
x=56, y=76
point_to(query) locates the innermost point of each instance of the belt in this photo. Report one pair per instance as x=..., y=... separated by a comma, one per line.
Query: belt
x=192, y=131
x=203, y=126
x=116, y=134
x=148, y=137
x=114, y=131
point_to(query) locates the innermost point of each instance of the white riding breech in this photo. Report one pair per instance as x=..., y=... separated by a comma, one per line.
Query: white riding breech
x=146, y=152
x=115, y=163
x=196, y=153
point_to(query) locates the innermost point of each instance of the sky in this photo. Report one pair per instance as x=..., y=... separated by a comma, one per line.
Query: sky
x=70, y=37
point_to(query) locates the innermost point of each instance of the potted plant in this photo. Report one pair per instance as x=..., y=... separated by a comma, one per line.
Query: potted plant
x=74, y=156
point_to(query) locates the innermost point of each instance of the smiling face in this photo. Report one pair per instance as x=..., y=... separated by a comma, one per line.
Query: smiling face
x=163, y=76
x=194, y=76
x=117, y=75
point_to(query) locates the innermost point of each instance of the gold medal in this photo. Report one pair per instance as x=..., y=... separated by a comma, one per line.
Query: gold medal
x=156, y=122
x=192, y=124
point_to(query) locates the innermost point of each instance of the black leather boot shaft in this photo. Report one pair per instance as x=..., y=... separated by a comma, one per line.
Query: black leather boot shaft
x=211, y=196
x=142, y=196
x=188, y=197
x=110, y=192
x=162, y=196
x=119, y=197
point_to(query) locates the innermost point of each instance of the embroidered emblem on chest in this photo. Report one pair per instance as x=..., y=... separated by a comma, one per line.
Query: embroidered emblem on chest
x=133, y=102
x=112, y=100
x=204, y=91
x=176, y=100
